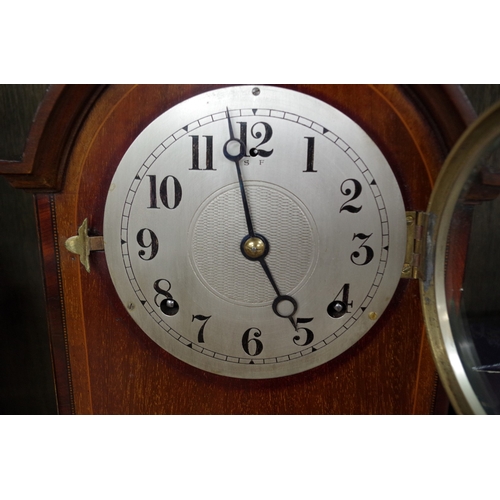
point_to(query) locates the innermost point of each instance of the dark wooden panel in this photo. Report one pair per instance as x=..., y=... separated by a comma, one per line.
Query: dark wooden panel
x=58, y=119
x=26, y=379
x=18, y=106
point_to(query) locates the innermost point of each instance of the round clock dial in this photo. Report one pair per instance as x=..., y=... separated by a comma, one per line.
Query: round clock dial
x=254, y=232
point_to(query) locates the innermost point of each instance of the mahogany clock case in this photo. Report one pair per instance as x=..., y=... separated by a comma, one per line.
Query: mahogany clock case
x=103, y=363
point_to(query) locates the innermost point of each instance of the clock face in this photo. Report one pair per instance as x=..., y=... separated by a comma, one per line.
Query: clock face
x=254, y=232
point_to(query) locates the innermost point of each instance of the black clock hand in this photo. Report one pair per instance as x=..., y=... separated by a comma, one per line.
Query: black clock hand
x=255, y=246
x=280, y=298
x=232, y=143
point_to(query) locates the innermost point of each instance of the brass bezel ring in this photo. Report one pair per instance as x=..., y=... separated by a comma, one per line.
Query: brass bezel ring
x=457, y=169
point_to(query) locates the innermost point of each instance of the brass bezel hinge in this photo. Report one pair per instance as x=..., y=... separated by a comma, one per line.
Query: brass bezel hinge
x=416, y=223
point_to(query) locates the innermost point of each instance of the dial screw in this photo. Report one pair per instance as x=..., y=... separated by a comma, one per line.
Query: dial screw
x=130, y=306
x=256, y=91
x=373, y=316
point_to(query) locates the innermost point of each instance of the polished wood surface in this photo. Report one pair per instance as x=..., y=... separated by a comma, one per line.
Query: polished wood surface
x=50, y=140
x=108, y=365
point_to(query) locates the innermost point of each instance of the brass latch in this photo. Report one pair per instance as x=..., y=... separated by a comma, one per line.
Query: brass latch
x=83, y=244
x=416, y=223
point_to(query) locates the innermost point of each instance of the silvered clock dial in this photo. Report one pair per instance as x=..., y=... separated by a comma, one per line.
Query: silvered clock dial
x=254, y=232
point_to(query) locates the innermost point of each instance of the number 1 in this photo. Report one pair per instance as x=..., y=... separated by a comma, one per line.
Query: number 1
x=310, y=155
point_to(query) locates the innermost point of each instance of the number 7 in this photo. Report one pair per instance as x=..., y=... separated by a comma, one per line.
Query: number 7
x=199, y=317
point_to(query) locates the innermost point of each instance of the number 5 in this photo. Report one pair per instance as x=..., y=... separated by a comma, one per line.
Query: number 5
x=309, y=333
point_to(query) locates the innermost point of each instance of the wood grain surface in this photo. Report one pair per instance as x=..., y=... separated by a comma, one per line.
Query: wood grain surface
x=112, y=367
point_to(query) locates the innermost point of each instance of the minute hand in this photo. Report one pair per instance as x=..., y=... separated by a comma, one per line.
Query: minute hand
x=231, y=144
x=255, y=246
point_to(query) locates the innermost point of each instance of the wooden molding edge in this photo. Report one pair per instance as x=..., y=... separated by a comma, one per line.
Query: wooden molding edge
x=50, y=139
x=54, y=298
x=447, y=106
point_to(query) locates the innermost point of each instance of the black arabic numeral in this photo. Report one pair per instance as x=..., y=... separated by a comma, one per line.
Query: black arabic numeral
x=170, y=192
x=152, y=192
x=252, y=345
x=167, y=304
x=355, y=256
x=340, y=304
x=310, y=155
x=309, y=334
x=195, y=147
x=256, y=134
x=346, y=190
x=243, y=134
x=201, y=331
x=164, y=190
x=153, y=244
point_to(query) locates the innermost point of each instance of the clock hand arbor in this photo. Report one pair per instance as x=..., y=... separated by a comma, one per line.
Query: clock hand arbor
x=255, y=246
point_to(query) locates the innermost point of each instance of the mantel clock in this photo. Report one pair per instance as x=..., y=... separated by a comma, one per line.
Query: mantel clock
x=246, y=248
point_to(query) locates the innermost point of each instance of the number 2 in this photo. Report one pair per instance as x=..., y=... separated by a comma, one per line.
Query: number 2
x=346, y=191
